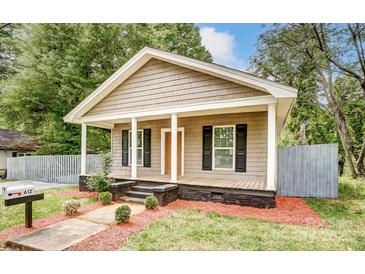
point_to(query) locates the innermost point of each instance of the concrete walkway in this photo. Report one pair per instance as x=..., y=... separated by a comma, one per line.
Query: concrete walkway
x=64, y=234
x=37, y=185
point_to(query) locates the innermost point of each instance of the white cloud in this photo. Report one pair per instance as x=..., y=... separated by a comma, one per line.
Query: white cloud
x=222, y=46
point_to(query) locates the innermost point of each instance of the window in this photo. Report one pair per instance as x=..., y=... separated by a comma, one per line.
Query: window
x=139, y=147
x=223, y=147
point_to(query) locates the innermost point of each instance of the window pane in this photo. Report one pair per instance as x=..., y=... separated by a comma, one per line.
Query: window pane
x=223, y=158
x=223, y=137
x=139, y=139
x=139, y=156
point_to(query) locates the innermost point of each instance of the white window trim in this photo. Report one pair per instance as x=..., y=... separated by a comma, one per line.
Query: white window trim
x=234, y=148
x=129, y=148
x=163, y=135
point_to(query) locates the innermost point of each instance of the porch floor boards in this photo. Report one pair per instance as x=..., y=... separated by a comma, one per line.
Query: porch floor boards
x=237, y=183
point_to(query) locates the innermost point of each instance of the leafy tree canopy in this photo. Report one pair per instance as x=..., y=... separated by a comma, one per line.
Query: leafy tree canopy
x=60, y=64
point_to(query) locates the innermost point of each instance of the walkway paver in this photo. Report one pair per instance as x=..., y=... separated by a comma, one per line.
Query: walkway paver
x=67, y=233
x=105, y=215
x=57, y=237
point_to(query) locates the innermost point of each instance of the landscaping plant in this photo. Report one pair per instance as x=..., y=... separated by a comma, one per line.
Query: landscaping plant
x=151, y=202
x=105, y=197
x=70, y=207
x=122, y=214
x=98, y=182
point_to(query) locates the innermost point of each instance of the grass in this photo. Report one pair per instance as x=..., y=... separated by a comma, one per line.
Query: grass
x=194, y=230
x=6, y=180
x=51, y=205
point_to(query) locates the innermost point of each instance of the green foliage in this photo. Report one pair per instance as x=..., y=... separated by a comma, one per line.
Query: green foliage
x=98, y=182
x=151, y=202
x=105, y=197
x=106, y=163
x=60, y=64
x=70, y=207
x=288, y=53
x=122, y=214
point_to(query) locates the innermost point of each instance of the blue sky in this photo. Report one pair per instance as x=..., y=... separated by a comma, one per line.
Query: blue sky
x=231, y=44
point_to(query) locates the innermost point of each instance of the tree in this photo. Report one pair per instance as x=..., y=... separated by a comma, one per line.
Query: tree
x=292, y=54
x=60, y=64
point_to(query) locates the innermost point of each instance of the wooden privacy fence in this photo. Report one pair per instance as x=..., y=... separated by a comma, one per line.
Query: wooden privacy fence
x=54, y=169
x=308, y=171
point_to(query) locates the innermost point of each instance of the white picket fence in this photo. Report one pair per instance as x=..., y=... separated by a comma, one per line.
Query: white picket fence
x=53, y=169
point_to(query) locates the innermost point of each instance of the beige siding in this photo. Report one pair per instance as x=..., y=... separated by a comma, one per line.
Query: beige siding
x=161, y=84
x=256, y=144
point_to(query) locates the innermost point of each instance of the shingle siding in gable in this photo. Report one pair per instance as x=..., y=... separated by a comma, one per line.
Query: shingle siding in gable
x=161, y=84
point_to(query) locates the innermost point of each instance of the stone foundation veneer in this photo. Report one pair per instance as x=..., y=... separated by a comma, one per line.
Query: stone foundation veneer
x=167, y=193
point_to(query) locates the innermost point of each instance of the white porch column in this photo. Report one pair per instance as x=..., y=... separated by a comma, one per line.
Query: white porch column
x=271, y=147
x=134, y=149
x=83, y=148
x=173, y=147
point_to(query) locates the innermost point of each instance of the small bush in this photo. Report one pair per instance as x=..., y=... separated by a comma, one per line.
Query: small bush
x=151, y=202
x=70, y=207
x=105, y=197
x=122, y=214
x=98, y=182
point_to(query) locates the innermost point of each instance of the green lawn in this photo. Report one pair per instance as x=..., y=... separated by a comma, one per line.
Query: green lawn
x=194, y=230
x=52, y=204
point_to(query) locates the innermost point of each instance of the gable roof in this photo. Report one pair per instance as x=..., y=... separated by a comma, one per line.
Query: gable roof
x=277, y=90
x=13, y=140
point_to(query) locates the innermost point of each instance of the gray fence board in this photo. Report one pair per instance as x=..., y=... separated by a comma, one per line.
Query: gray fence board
x=54, y=169
x=308, y=171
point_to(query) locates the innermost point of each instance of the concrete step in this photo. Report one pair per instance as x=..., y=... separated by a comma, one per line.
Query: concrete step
x=143, y=188
x=132, y=200
x=137, y=194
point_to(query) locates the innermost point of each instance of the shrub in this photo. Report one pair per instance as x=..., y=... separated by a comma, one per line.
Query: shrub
x=98, y=182
x=106, y=163
x=122, y=214
x=70, y=207
x=151, y=202
x=105, y=197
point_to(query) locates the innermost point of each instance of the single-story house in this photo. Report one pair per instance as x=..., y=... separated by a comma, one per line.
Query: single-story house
x=207, y=129
x=13, y=144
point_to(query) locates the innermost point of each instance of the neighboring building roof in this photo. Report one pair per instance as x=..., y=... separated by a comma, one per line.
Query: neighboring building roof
x=13, y=140
x=277, y=90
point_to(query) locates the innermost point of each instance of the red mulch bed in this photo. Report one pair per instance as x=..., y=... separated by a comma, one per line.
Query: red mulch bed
x=44, y=222
x=77, y=193
x=288, y=210
x=115, y=235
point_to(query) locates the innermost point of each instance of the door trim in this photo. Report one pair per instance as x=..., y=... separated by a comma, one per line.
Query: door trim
x=163, y=134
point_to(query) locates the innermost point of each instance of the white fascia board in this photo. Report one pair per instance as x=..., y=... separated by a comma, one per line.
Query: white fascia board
x=252, y=101
x=143, y=56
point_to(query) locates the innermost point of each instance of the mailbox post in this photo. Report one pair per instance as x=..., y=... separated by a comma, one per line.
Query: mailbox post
x=19, y=195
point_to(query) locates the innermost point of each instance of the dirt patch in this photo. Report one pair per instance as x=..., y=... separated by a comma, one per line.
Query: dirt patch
x=77, y=193
x=288, y=211
x=115, y=235
x=44, y=222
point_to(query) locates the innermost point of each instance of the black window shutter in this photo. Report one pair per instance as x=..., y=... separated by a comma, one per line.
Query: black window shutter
x=241, y=147
x=207, y=147
x=125, y=148
x=147, y=147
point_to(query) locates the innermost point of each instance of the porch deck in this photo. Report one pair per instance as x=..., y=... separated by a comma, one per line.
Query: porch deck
x=241, y=183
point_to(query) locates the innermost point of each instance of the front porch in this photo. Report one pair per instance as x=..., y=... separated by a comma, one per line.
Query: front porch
x=230, y=183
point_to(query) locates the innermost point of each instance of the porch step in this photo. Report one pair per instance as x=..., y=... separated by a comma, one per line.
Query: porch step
x=132, y=200
x=138, y=194
x=143, y=188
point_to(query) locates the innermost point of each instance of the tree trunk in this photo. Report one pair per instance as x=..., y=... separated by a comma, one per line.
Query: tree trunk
x=360, y=161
